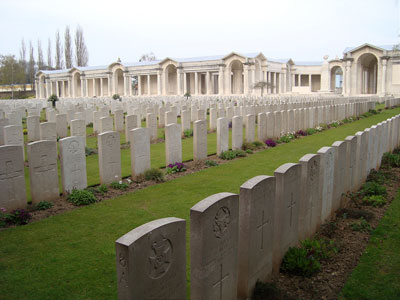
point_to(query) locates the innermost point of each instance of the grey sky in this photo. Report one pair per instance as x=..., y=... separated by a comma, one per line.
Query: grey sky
x=303, y=30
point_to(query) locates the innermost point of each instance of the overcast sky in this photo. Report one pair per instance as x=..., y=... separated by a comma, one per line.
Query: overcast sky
x=304, y=30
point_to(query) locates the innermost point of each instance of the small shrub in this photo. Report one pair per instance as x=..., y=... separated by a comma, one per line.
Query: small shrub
x=311, y=131
x=247, y=146
x=89, y=151
x=334, y=124
x=210, y=163
x=356, y=214
x=270, y=143
x=25, y=131
x=375, y=200
x=81, y=197
x=284, y=139
x=188, y=133
x=390, y=160
x=119, y=185
x=373, y=111
x=329, y=229
x=297, y=261
x=362, y=226
x=258, y=144
x=43, y=205
x=103, y=189
x=154, y=174
x=18, y=217
x=117, y=97
x=90, y=125
x=378, y=176
x=3, y=217
x=230, y=124
x=322, y=249
x=240, y=153
x=227, y=155
x=175, y=168
x=249, y=151
x=301, y=133
x=373, y=188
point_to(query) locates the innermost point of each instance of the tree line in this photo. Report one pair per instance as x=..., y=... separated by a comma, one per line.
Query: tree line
x=22, y=70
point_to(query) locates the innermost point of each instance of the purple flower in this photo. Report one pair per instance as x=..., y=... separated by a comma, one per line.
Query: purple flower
x=270, y=143
x=230, y=124
x=301, y=132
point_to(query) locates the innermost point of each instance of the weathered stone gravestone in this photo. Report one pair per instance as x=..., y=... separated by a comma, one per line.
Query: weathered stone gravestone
x=73, y=162
x=287, y=202
x=139, y=139
x=130, y=123
x=61, y=125
x=13, y=135
x=270, y=125
x=151, y=124
x=200, y=140
x=12, y=178
x=277, y=124
x=43, y=172
x=222, y=135
x=173, y=144
x=237, y=133
x=170, y=118
x=339, y=173
x=362, y=153
x=262, y=127
x=351, y=159
x=185, y=120
x=256, y=221
x=311, y=204
x=109, y=157
x=151, y=261
x=161, y=116
x=106, y=124
x=78, y=128
x=213, y=119
x=33, y=126
x=250, y=128
x=119, y=120
x=48, y=131
x=328, y=172
x=214, y=247
x=3, y=122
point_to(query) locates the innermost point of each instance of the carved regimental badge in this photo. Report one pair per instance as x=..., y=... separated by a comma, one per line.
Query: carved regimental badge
x=221, y=222
x=160, y=258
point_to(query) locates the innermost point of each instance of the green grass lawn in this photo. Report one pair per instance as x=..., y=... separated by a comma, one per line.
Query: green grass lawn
x=72, y=255
x=377, y=276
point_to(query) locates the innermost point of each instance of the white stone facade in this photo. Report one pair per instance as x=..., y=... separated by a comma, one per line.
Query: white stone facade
x=366, y=69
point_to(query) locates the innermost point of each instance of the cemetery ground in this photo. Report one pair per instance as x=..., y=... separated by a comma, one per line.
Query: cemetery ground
x=72, y=255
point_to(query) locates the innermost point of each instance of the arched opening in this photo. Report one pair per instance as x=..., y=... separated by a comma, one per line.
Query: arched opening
x=77, y=85
x=119, y=82
x=237, y=80
x=367, y=74
x=171, y=80
x=336, y=79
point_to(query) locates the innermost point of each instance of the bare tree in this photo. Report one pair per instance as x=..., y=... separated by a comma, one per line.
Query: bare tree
x=147, y=57
x=22, y=59
x=262, y=85
x=31, y=65
x=59, y=62
x=81, y=52
x=49, y=58
x=40, y=60
x=68, y=48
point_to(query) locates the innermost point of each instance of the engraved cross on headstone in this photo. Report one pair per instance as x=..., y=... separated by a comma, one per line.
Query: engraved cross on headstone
x=261, y=226
x=290, y=206
x=220, y=282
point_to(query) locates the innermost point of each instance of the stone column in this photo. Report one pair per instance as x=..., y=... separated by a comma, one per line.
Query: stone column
x=101, y=87
x=179, y=81
x=70, y=87
x=274, y=82
x=48, y=88
x=139, y=85
x=253, y=78
x=208, y=90
x=281, y=85
x=196, y=83
x=63, y=89
x=109, y=84
x=269, y=90
x=290, y=82
x=184, y=83
x=384, y=63
x=57, y=89
x=309, y=82
x=159, y=82
x=221, y=80
x=348, y=77
x=246, y=79
x=94, y=87
x=129, y=78
x=37, y=95
x=148, y=85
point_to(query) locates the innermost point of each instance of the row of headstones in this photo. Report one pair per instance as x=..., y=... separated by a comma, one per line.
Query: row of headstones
x=236, y=240
x=73, y=170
